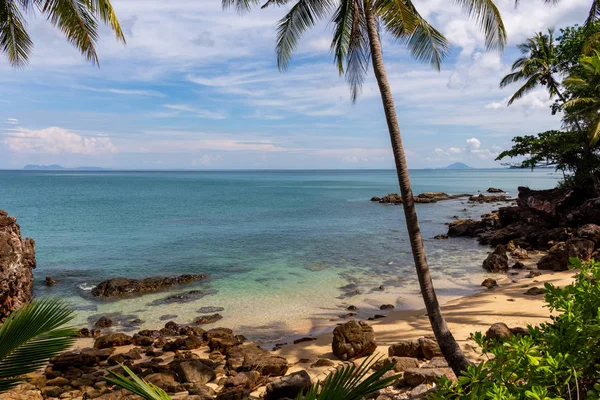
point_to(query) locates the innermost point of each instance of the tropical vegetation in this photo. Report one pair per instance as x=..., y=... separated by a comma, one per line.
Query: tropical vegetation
x=555, y=360
x=356, y=45
x=30, y=337
x=77, y=20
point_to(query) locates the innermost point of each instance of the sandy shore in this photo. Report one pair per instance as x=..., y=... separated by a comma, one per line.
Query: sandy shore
x=506, y=303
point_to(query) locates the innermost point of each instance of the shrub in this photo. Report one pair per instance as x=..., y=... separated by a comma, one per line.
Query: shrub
x=557, y=360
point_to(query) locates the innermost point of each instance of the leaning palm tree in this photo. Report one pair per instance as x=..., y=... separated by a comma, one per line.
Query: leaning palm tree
x=537, y=67
x=30, y=337
x=356, y=43
x=77, y=20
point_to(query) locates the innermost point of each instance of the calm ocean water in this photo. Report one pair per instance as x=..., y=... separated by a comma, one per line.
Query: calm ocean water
x=281, y=247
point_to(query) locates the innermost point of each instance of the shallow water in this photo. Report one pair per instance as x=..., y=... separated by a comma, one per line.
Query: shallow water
x=278, y=245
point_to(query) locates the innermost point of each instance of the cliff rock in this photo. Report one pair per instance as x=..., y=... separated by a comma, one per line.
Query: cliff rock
x=17, y=260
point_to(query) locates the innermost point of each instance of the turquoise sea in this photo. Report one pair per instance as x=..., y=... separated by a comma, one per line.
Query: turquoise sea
x=282, y=248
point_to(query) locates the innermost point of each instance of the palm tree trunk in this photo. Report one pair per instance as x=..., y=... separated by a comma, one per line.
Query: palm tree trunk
x=446, y=341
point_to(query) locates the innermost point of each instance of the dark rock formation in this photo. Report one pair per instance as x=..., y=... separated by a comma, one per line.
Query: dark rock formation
x=423, y=198
x=495, y=190
x=499, y=331
x=482, y=198
x=249, y=357
x=208, y=319
x=49, y=281
x=406, y=348
x=182, y=298
x=112, y=340
x=17, y=260
x=489, y=283
x=352, y=340
x=558, y=256
x=289, y=386
x=104, y=322
x=497, y=261
x=123, y=286
x=430, y=347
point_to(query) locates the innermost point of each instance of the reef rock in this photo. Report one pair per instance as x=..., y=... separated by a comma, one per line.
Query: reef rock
x=497, y=261
x=354, y=339
x=122, y=286
x=17, y=260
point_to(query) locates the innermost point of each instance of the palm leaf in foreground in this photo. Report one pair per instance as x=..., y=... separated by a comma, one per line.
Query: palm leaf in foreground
x=137, y=385
x=350, y=382
x=30, y=337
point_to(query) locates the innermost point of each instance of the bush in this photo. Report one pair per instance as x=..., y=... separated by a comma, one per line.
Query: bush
x=557, y=360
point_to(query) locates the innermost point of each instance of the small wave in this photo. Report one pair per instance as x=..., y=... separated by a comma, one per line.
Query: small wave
x=86, y=287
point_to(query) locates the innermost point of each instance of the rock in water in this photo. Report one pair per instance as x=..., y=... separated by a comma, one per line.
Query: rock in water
x=352, y=340
x=497, y=261
x=17, y=260
x=495, y=190
x=123, y=286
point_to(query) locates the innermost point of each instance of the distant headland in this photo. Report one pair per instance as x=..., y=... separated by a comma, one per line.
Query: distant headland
x=458, y=165
x=60, y=167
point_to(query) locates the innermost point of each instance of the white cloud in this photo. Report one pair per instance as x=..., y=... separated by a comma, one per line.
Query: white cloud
x=179, y=108
x=473, y=144
x=55, y=140
x=472, y=149
x=12, y=121
x=128, y=92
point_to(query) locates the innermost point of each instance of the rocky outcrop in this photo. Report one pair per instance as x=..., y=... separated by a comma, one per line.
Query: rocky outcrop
x=497, y=261
x=289, y=386
x=558, y=256
x=495, y=190
x=17, y=260
x=482, y=198
x=423, y=198
x=354, y=339
x=122, y=286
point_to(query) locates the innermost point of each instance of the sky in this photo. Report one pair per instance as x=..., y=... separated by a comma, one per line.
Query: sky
x=197, y=87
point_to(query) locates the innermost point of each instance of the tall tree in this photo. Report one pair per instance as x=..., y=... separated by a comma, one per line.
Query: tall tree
x=537, y=67
x=356, y=43
x=76, y=19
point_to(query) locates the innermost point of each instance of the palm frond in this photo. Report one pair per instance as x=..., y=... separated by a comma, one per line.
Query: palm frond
x=511, y=78
x=359, y=52
x=594, y=13
x=77, y=22
x=403, y=21
x=594, y=135
x=31, y=336
x=14, y=40
x=350, y=382
x=343, y=21
x=523, y=90
x=136, y=385
x=302, y=16
x=104, y=9
x=240, y=5
x=487, y=15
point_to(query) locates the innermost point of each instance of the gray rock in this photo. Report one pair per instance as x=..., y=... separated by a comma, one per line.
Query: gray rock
x=194, y=371
x=289, y=386
x=406, y=348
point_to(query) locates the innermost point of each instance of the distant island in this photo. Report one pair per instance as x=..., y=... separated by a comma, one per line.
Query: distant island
x=59, y=167
x=458, y=165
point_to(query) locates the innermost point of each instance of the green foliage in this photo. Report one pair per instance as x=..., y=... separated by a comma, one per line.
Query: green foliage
x=351, y=382
x=76, y=19
x=558, y=360
x=31, y=336
x=137, y=385
x=572, y=42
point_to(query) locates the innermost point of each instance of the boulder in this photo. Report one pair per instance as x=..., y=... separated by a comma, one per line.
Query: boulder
x=558, y=256
x=489, y=283
x=208, y=319
x=406, y=348
x=430, y=347
x=465, y=228
x=112, y=340
x=546, y=203
x=163, y=380
x=234, y=394
x=519, y=254
x=354, y=339
x=223, y=343
x=194, y=371
x=416, y=376
x=190, y=342
x=482, y=198
x=289, y=386
x=589, y=232
x=49, y=281
x=83, y=358
x=123, y=286
x=103, y=322
x=17, y=261
x=401, y=364
x=497, y=261
x=495, y=190
x=499, y=331
x=534, y=291
x=249, y=357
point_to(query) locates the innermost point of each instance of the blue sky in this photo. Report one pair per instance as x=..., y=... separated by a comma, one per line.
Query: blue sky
x=197, y=87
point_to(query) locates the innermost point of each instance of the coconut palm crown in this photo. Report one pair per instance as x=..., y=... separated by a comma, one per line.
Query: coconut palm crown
x=76, y=19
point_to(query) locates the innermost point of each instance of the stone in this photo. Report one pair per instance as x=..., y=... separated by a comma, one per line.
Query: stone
x=558, y=256
x=534, y=291
x=430, y=347
x=497, y=261
x=518, y=265
x=519, y=331
x=210, y=310
x=80, y=358
x=249, y=357
x=441, y=237
x=416, y=376
x=519, y=254
x=222, y=344
x=322, y=363
x=401, y=364
x=482, y=198
x=420, y=391
x=17, y=261
x=104, y=322
x=498, y=331
x=208, y=319
x=162, y=379
x=182, y=298
x=53, y=391
x=354, y=339
x=194, y=371
x=234, y=394
x=489, y=283
x=112, y=340
x=437, y=362
x=495, y=190
x=217, y=332
x=190, y=342
x=534, y=274
x=49, y=281
x=123, y=286
x=167, y=317
x=406, y=348
x=387, y=307
x=289, y=386
x=140, y=340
